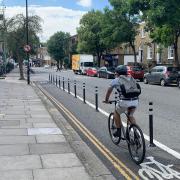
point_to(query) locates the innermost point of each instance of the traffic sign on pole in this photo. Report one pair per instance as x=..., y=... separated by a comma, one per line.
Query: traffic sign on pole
x=27, y=48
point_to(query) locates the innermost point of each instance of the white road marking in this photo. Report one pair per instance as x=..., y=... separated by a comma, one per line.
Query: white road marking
x=157, y=143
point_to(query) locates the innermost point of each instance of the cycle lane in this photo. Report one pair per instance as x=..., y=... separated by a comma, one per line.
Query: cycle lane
x=98, y=126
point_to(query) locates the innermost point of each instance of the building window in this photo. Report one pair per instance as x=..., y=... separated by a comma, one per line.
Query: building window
x=149, y=52
x=170, y=52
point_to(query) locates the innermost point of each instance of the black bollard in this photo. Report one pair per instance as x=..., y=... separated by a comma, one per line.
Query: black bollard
x=75, y=94
x=59, y=82
x=96, y=98
x=63, y=84
x=56, y=80
x=151, y=125
x=53, y=78
x=68, y=87
x=84, y=93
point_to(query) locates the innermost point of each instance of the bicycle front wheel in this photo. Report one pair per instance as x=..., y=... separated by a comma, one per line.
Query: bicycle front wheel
x=136, y=144
x=112, y=128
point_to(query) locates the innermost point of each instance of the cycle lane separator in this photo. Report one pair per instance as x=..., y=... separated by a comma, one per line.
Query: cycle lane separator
x=158, y=144
x=120, y=166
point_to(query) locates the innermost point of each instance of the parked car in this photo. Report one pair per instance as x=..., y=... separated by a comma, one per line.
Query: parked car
x=178, y=79
x=92, y=71
x=136, y=72
x=46, y=66
x=162, y=75
x=105, y=72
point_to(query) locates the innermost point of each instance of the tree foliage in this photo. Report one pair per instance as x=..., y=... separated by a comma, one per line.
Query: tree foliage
x=15, y=28
x=90, y=34
x=121, y=24
x=163, y=22
x=58, y=46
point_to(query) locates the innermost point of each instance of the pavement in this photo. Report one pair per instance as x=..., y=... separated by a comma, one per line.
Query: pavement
x=36, y=141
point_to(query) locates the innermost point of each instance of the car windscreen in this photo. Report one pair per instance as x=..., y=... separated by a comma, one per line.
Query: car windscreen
x=111, y=69
x=171, y=69
x=88, y=64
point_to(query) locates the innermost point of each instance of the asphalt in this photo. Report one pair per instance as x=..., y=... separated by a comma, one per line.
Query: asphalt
x=36, y=141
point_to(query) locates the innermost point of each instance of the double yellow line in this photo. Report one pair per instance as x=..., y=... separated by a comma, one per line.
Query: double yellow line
x=120, y=166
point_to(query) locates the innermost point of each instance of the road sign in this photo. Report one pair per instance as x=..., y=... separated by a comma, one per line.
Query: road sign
x=27, y=48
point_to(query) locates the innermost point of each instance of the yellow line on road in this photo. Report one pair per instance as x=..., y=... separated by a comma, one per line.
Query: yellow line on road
x=120, y=166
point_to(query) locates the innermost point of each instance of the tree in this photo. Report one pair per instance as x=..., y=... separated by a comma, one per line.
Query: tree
x=90, y=34
x=163, y=20
x=122, y=23
x=16, y=37
x=58, y=46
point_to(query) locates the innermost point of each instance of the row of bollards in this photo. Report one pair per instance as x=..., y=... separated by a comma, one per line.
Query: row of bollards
x=55, y=81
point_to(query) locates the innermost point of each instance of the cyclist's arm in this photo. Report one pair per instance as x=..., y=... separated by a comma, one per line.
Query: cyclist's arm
x=108, y=93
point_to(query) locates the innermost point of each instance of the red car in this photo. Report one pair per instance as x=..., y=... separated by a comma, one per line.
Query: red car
x=91, y=72
x=136, y=72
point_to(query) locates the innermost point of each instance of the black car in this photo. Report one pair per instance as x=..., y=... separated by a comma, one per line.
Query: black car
x=106, y=72
x=178, y=79
x=162, y=75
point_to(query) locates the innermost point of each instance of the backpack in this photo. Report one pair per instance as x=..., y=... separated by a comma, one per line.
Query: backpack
x=129, y=87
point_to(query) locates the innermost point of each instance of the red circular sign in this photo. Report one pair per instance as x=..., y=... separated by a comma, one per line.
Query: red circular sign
x=27, y=48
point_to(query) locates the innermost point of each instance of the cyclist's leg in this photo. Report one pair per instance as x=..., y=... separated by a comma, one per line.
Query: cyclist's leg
x=119, y=110
x=117, y=119
x=130, y=115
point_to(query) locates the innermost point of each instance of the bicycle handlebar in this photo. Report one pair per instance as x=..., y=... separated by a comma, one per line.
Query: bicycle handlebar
x=112, y=101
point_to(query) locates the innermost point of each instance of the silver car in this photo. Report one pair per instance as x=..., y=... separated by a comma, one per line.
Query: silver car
x=162, y=75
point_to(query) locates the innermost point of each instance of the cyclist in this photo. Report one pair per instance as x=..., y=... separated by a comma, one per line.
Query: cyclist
x=123, y=103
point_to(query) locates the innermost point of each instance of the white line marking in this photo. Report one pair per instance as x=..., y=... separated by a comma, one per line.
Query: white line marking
x=158, y=144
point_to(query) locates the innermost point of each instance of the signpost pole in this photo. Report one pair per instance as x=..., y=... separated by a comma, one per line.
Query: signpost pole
x=27, y=42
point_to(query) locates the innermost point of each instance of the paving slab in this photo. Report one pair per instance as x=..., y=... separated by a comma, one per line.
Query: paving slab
x=17, y=132
x=20, y=162
x=73, y=173
x=50, y=148
x=16, y=175
x=36, y=131
x=44, y=125
x=50, y=138
x=9, y=123
x=39, y=120
x=60, y=160
x=17, y=139
x=14, y=150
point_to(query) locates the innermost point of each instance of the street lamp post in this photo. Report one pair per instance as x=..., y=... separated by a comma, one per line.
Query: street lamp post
x=27, y=43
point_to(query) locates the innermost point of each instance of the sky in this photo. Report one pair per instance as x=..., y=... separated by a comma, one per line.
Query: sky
x=57, y=15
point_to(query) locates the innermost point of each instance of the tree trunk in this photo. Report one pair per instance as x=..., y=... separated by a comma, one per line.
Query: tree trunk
x=99, y=59
x=176, y=60
x=134, y=52
x=20, y=68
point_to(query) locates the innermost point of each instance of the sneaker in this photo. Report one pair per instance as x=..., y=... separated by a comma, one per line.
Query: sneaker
x=117, y=133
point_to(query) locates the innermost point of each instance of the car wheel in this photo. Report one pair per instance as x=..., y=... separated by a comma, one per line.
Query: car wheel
x=162, y=82
x=145, y=81
x=178, y=83
x=141, y=79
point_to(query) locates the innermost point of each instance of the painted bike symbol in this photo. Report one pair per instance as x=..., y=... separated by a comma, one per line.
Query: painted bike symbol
x=159, y=172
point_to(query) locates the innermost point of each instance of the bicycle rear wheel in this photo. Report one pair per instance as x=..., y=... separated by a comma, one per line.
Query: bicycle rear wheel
x=136, y=145
x=112, y=128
